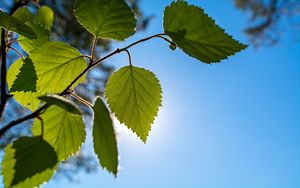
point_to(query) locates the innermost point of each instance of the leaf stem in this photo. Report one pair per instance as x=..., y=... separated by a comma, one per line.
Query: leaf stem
x=129, y=57
x=81, y=99
x=94, y=47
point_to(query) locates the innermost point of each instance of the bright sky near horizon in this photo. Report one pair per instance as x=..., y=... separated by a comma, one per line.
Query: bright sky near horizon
x=230, y=125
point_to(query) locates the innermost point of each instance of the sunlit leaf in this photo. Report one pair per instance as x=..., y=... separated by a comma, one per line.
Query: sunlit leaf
x=134, y=95
x=27, y=99
x=111, y=19
x=63, y=130
x=26, y=79
x=43, y=36
x=57, y=64
x=105, y=144
x=45, y=17
x=13, y=24
x=197, y=34
x=23, y=14
x=28, y=162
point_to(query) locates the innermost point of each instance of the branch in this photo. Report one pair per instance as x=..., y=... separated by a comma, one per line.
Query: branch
x=4, y=94
x=21, y=120
x=66, y=91
x=3, y=73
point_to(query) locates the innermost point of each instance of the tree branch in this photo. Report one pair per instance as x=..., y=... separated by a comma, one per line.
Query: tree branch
x=21, y=120
x=66, y=91
x=4, y=94
x=3, y=73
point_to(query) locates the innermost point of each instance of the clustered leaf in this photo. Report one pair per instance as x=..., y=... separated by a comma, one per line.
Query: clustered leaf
x=57, y=64
x=25, y=98
x=28, y=162
x=13, y=24
x=40, y=23
x=26, y=79
x=43, y=36
x=45, y=17
x=134, y=95
x=63, y=130
x=23, y=14
x=104, y=137
x=197, y=34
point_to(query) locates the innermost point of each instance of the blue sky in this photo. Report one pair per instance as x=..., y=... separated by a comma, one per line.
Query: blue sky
x=229, y=125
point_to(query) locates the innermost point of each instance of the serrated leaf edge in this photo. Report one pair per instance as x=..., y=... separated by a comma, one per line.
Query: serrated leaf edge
x=243, y=46
x=154, y=117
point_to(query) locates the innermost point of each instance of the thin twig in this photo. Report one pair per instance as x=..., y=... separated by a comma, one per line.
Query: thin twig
x=17, y=52
x=66, y=91
x=145, y=39
x=94, y=47
x=21, y=120
x=81, y=99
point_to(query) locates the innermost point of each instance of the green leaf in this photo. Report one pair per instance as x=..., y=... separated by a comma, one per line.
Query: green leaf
x=23, y=14
x=134, y=95
x=63, y=130
x=45, y=17
x=43, y=36
x=105, y=144
x=197, y=34
x=28, y=162
x=57, y=64
x=62, y=103
x=112, y=19
x=26, y=79
x=0, y=37
x=27, y=99
x=13, y=24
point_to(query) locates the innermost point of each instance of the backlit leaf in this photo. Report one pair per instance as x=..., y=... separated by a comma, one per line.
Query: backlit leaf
x=63, y=130
x=112, y=19
x=45, y=17
x=43, y=36
x=26, y=79
x=28, y=162
x=23, y=14
x=27, y=99
x=105, y=144
x=197, y=34
x=134, y=95
x=57, y=64
x=13, y=24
